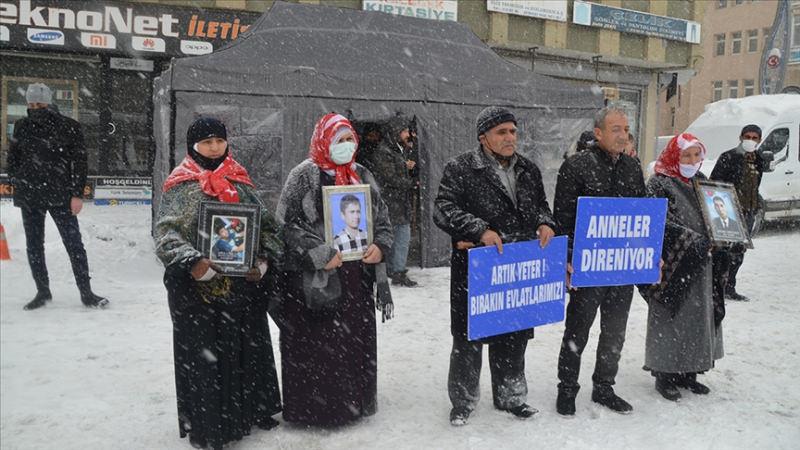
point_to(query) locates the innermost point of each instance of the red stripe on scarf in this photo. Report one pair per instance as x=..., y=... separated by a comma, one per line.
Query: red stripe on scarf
x=321, y=141
x=216, y=183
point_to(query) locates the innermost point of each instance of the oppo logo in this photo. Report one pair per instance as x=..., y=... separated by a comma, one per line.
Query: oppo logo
x=40, y=36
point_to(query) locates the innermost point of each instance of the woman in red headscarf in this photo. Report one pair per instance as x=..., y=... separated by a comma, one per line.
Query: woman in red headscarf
x=684, y=336
x=327, y=318
x=225, y=377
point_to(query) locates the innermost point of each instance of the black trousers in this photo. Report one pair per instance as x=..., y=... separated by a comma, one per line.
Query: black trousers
x=506, y=364
x=614, y=303
x=736, y=255
x=67, y=224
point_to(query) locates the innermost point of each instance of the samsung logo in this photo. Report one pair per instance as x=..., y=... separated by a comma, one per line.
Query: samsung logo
x=40, y=36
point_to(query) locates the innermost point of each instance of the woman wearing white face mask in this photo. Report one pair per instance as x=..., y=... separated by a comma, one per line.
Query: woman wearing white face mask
x=684, y=336
x=327, y=318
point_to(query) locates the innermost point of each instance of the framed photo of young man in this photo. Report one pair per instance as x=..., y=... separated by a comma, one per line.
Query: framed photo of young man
x=348, y=219
x=722, y=213
x=227, y=234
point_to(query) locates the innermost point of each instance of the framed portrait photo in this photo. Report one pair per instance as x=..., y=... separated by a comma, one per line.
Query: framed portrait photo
x=227, y=234
x=723, y=213
x=348, y=219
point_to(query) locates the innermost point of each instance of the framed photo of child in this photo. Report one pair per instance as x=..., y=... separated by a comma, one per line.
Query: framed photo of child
x=348, y=219
x=722, y=213
x=228, y=235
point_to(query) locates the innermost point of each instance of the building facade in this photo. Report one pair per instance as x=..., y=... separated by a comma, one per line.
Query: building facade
x=736, y=40
x=100, y=57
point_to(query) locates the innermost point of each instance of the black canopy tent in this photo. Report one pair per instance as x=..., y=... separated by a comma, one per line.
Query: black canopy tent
x=298, y=62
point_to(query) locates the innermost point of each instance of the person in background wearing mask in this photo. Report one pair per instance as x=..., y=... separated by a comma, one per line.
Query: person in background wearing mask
x=47, y=166
x=743, y=167
x=684, y=333
x=489, y=196
x=328, y=334
x=603, y=170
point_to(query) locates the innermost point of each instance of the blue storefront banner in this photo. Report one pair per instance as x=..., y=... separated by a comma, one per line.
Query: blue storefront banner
x=520, y=289
x=630, y=21
x=618, y=241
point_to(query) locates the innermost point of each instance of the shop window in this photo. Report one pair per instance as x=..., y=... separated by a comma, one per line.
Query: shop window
x=719, y=40
x=749, y=87
x=717, y=92
x=752, y=41
x=733, y=88
x=736, y=42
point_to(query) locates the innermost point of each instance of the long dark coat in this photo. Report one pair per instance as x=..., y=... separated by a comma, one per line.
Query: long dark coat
x=681, y=332
x=472, y=199
x=225, y=375
x=730, y=168
x=389, y=168
x=46, y=160
x=329, y=359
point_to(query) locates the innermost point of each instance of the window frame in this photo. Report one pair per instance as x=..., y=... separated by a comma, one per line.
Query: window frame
x=733, y=88
x=736, y=41
x=717, y=90
x=752, y=41
x=750, y=85
x=720, y=43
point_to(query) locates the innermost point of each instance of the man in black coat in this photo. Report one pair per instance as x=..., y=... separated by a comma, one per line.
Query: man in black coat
x=743, y=167
x=489, y=196
x=47, y=166
x=603, y=170
x=392, y=172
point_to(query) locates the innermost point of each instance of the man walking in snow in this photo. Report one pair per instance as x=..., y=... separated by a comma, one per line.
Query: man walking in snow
x=489, y=196
x=47, y=166
x=603, y=170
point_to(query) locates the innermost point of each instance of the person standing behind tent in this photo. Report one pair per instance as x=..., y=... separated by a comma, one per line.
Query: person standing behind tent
x=603, y=170
x=742, y=166
x=489, y=196
x=47, y=166
x=684, y=333
x=225, y=376
x=327, y=318
x=392, y=172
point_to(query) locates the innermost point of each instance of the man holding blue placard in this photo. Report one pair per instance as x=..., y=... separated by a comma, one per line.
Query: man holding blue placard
x=604, y=170
x=487, y=197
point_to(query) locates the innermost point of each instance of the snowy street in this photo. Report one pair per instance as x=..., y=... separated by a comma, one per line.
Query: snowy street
x=75, y=378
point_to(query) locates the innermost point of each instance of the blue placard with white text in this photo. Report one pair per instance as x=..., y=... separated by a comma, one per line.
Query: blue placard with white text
x=520, y=289
x=618, y=241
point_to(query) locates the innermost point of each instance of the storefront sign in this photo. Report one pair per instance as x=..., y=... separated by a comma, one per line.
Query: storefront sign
x=122, y=188
x=139, y=65
x=637, y=22
x=522, y=288
x=422, y=9
x=618, y=241
x=540, y=9
x=115, y=27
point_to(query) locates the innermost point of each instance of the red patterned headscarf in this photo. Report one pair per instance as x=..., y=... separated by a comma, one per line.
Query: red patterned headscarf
x=216, y=183
x=668, y=162
x=327, y=132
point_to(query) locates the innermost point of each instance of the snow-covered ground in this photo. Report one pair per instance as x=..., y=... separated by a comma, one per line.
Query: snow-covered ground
x=72, y=378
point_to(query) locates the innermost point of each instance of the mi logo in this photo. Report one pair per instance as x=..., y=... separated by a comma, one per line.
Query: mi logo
x=98, y=40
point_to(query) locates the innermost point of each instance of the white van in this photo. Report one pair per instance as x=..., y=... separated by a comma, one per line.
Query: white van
x=778, y=115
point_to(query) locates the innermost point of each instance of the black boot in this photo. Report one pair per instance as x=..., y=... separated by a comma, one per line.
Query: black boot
x=689, y=381
x=523, y=411
x=92, y=300
x=565, y=403
x=459, y=416
x=41, y=299
x=665, y=385
x=605, y=396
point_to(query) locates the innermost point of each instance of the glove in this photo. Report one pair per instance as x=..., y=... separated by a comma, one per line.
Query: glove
x=205, y=270
x=255, y=274
x=386, y=309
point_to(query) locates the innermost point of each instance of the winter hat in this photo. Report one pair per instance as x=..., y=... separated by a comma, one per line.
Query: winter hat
x=204, y=128
x=751, y=129
x=491, y=117
x=38, y=93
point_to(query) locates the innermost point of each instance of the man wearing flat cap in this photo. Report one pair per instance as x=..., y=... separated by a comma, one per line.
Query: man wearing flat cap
x=489, y=196
x=47, y=166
